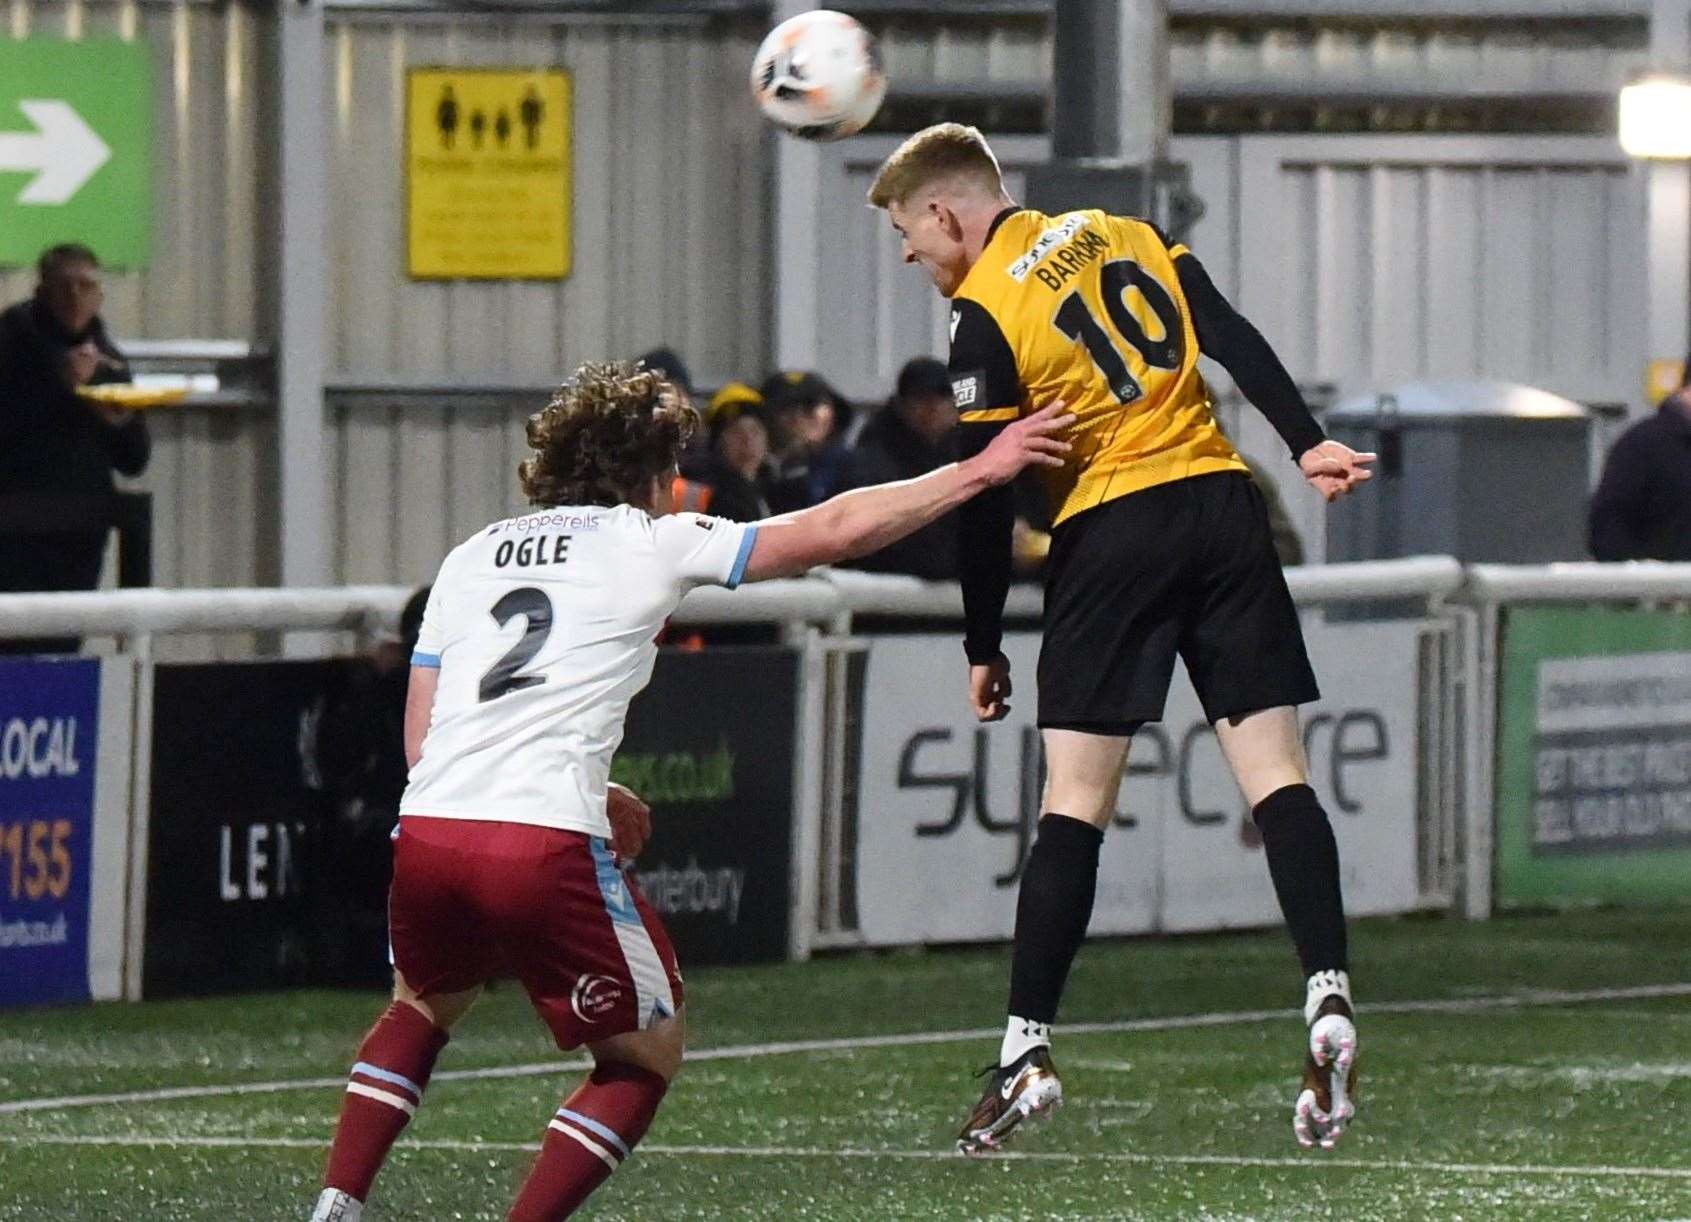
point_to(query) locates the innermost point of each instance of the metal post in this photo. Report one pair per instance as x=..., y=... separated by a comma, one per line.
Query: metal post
x=1111, y=92
x=808, y=767
x=140, y=819
x=299, y=296
x=1479, y=730
x=1112, y=110
x=1669, y=224
x=798, y=212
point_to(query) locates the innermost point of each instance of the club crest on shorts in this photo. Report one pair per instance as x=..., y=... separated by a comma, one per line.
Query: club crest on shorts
x=594, y=997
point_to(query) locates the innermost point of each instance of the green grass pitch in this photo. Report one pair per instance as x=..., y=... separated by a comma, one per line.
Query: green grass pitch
x=1536, y=1106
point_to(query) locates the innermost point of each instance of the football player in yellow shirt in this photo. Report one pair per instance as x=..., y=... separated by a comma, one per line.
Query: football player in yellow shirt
x=1161, y=545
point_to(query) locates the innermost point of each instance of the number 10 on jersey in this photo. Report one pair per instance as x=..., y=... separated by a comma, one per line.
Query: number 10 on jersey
x=1074, y=319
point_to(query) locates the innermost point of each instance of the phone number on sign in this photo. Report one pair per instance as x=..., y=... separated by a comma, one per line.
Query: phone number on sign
x=35, y=859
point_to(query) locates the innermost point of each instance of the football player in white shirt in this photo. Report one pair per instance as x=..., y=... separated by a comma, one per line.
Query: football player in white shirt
x=539, y=631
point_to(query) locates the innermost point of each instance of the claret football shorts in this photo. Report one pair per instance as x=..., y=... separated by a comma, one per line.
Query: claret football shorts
x=477, y=899
x=1185, y=567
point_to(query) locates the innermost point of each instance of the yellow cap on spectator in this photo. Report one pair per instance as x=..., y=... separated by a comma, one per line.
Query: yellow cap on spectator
x=733, y=395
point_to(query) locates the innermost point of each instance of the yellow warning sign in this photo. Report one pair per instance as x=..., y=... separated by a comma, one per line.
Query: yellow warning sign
x=487, y=173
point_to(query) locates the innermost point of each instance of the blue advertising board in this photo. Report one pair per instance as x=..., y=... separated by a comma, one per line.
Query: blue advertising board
x=49, y=732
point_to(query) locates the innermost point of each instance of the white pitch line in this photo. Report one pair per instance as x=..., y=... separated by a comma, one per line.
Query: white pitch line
x=735, y=1052
x=1311, y=1162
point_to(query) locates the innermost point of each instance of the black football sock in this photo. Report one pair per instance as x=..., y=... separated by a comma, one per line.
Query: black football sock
x=1303, y=861
x=1052, y=911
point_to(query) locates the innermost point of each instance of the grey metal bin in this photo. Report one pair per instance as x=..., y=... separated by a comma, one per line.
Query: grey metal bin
x=1483, y=471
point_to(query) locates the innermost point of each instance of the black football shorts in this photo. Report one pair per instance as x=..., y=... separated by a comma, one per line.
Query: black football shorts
x=1184, y=567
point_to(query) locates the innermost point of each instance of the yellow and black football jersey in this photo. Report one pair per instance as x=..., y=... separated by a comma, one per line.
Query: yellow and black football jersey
x=1088, y=308
x=1105, y=314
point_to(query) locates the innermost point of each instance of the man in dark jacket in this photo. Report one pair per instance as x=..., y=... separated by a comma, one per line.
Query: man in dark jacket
x=53, y=443
x=1642, y=507
x=907, y=438
x=807, y=420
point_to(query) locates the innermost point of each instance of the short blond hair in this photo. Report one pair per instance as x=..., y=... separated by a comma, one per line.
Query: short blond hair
x=944, y=151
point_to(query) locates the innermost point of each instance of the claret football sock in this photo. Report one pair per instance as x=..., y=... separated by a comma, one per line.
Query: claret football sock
x=384, y=1091
x=589, y=1137
x=1303, y=861
x=1052, y=912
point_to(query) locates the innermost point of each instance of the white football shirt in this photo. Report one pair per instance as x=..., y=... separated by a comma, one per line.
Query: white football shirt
x=543, y=627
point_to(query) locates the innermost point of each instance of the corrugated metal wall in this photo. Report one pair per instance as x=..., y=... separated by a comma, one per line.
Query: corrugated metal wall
x=670, y=205
x=1369, y=260
x=208, y=178
x=1276, y=50
x=412, y=481
x=671, y=201
x=672, y=182
x=1423, y=57
x=939, y=46
x=211, y=474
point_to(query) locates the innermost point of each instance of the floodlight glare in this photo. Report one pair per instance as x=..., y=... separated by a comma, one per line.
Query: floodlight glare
x=1656, y=117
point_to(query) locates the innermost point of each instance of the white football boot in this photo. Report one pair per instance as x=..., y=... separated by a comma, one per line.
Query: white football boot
x=1327, y=1099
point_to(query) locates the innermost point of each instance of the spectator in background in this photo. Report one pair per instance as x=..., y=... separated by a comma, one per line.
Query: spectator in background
x=906, y=438
x=668, y=362
x=361, y=757
x=1642, y=507
x=734, y=467
x=807, y=418
x=53, y=443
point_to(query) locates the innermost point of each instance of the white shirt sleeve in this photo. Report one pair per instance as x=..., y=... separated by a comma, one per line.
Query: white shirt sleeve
x=702, y=550
x=432, y=635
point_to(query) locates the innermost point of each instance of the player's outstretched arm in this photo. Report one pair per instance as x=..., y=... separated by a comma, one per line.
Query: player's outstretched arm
x=1227, y=336
x=856, y=523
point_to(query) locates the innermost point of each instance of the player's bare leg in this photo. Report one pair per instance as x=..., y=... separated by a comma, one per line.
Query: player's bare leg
x=384, y=1091
x=1052, y=910
x=1265, y=751
x=598, y=1126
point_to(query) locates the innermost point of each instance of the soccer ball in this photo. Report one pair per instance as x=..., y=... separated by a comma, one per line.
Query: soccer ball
x=818, y=75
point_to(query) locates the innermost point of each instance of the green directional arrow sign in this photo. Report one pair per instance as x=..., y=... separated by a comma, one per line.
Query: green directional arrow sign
x=75, y=148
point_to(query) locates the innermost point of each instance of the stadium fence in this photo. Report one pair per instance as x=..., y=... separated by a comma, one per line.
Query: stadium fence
x=1535, y=720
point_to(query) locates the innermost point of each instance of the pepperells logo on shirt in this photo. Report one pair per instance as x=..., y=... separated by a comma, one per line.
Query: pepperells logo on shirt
x=552, y=520
x=1048, y=242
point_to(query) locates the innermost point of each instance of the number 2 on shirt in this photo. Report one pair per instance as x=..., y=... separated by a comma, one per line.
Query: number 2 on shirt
x=505, y=675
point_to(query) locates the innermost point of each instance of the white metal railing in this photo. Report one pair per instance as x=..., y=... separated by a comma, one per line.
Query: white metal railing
x=128, y=614
x=1462, y=609
x=1633, y=581
x=820, y=599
